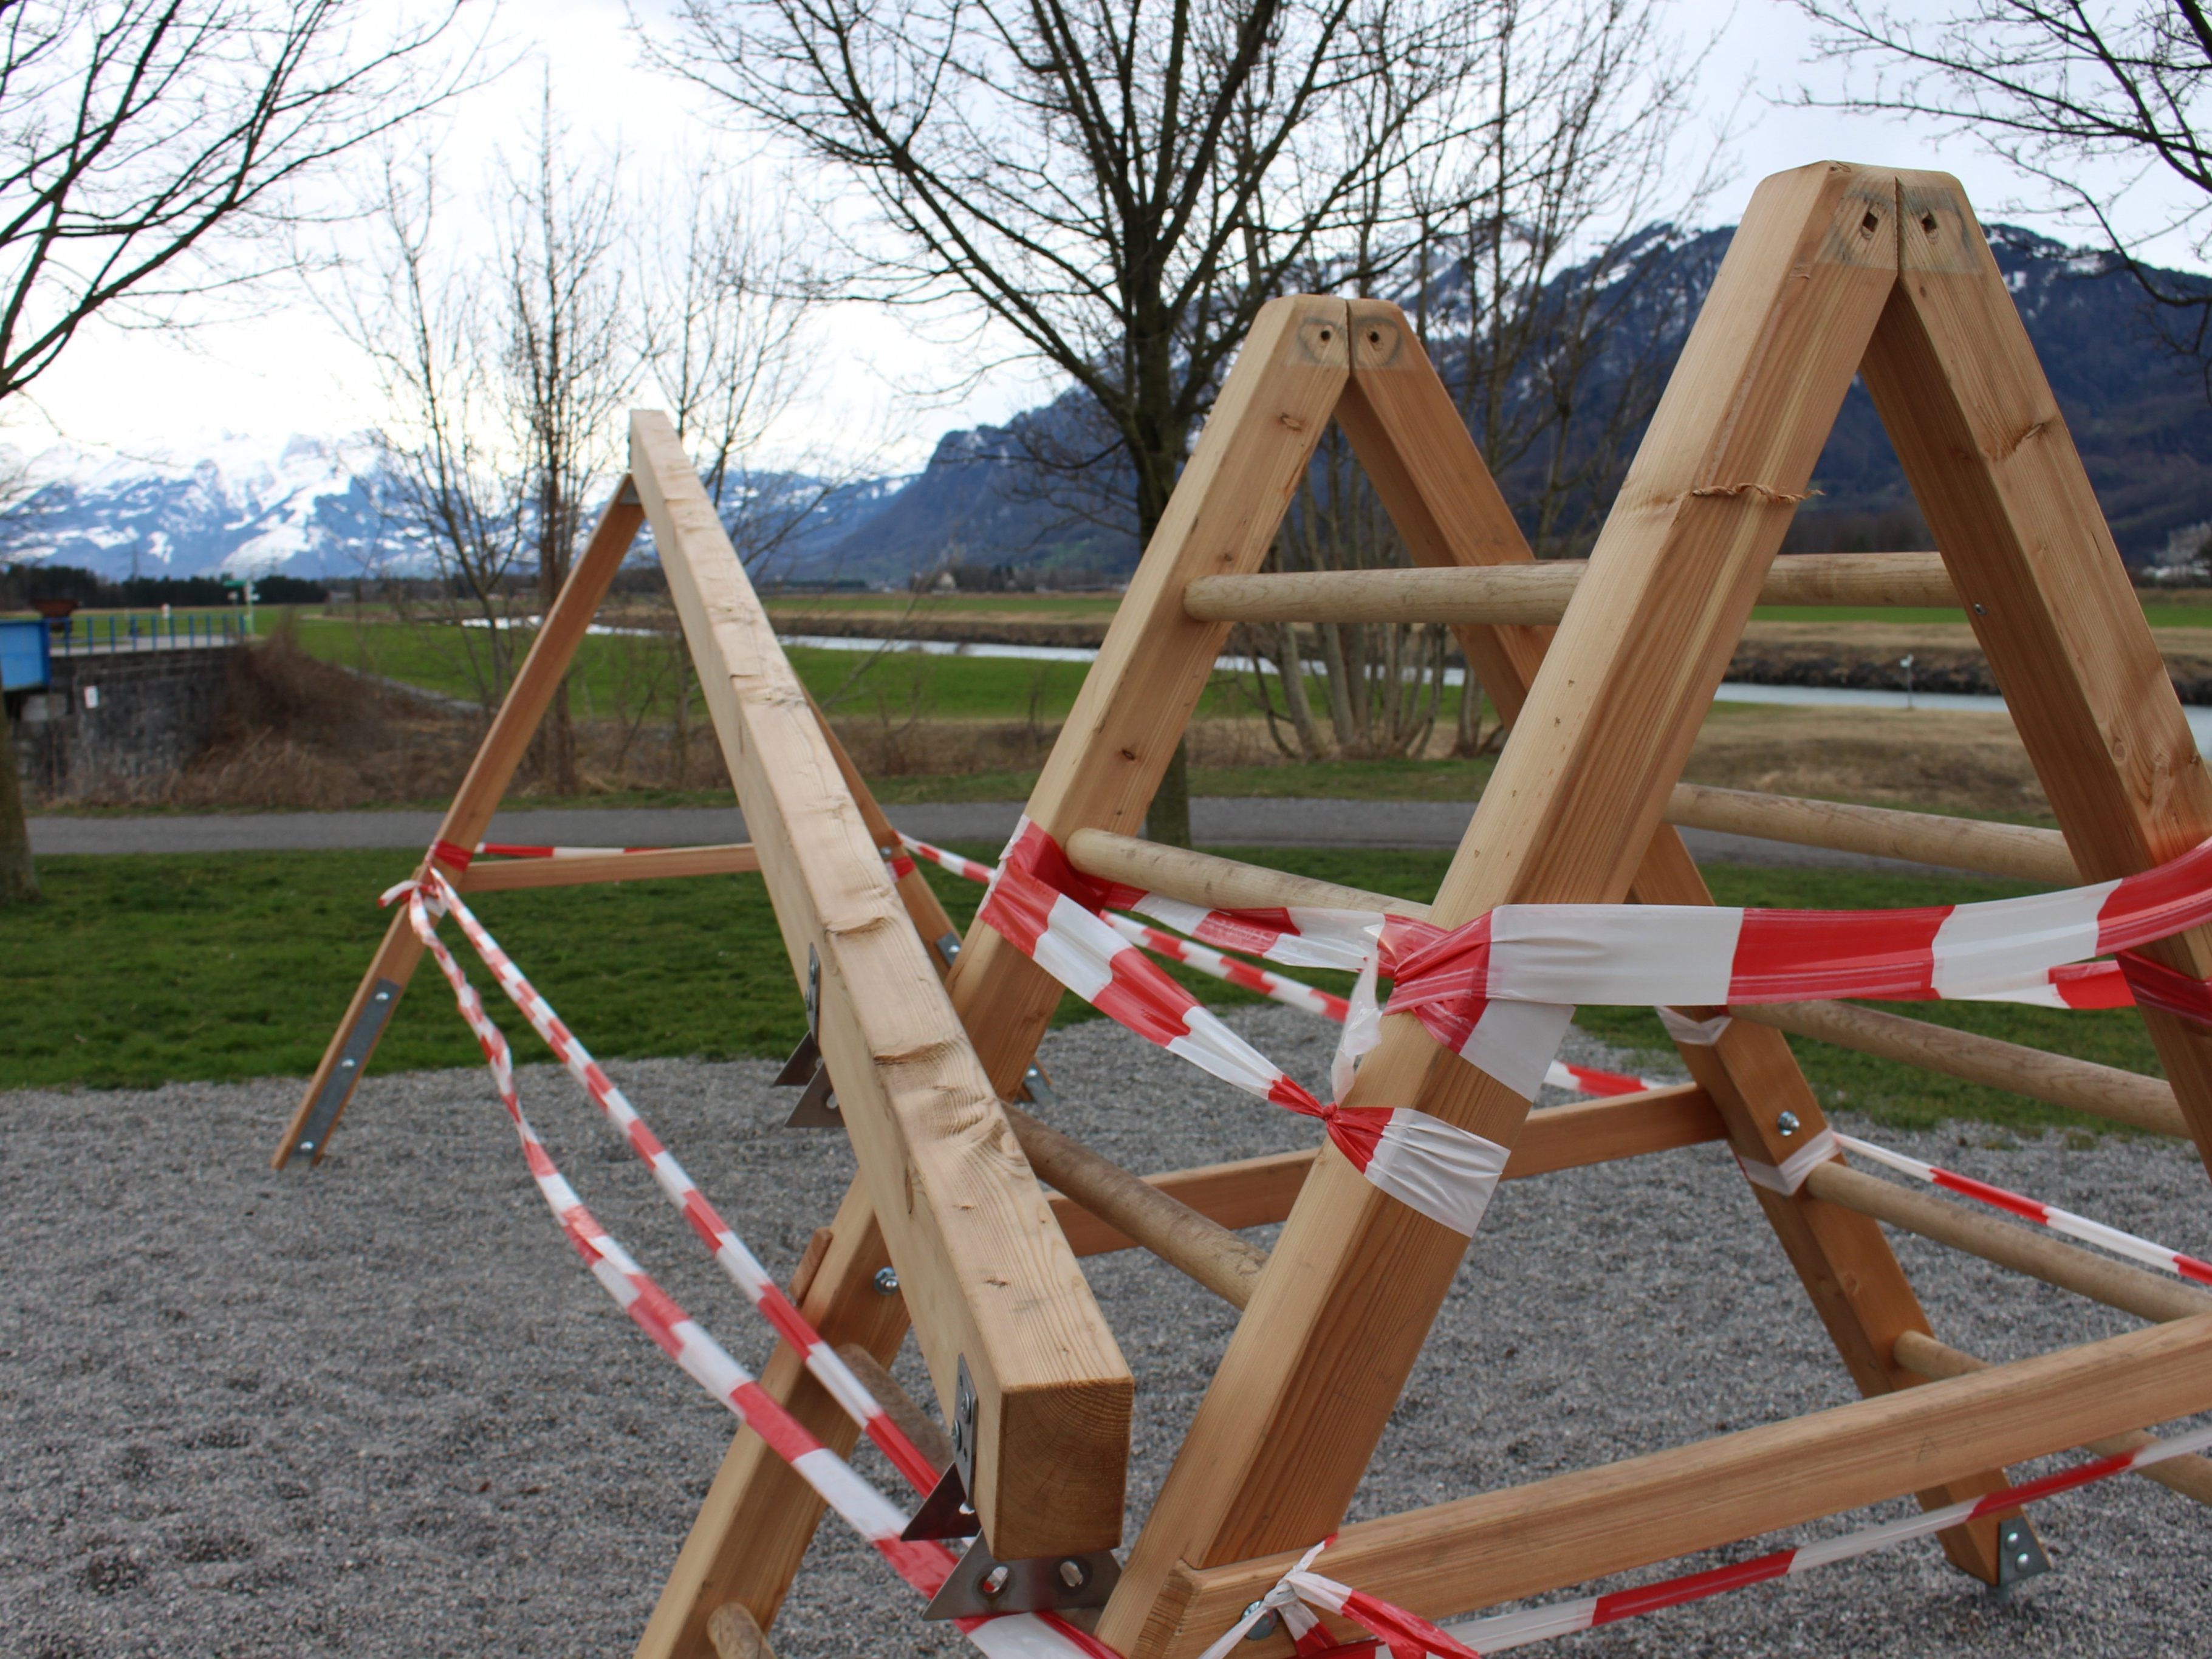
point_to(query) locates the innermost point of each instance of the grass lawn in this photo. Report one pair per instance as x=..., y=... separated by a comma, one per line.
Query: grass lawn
x=142, y=970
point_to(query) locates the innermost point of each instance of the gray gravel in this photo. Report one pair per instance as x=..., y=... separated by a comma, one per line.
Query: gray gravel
x=380, y=1410
x=1214, y=822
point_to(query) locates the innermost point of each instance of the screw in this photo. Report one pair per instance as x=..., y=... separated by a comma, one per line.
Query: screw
x=346, y=1064
x=1786, y=1125
x=1264, y=1626
x=993, y=1583
x=1074, y=1573
x=383, y=996
x=2021, y=1560
x=887, y=1280
x=1981, y=609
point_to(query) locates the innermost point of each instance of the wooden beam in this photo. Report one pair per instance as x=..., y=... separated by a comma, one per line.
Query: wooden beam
x=1458, y=1557
x=1215, y=882
x=737, y=1635
x=2028, y=1250
x=2190, y=1475
x=2129, y=1097
x=749, y=1536
x=1537, y=593
x=988, y=1285
x=1155, y=662
x=1254, y=1191
x=467, y=817
x=586, y=869
x=1998, y=850
x=916, y=1425
x=1991, y=464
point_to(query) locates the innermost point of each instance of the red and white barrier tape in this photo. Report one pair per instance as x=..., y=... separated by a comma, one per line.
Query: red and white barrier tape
x=507, y=849
x=924, y=1566
x=1445, y=1172
x=968, y=869
x=2136, y=1249
x=744, y=1268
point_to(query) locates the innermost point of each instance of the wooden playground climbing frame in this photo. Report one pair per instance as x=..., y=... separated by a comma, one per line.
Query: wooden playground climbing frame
x=1836, y=271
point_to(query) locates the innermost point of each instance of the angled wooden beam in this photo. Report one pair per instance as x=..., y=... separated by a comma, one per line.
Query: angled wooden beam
x=591, y=869
x=1155, y=661
x=467, y=817
x=1992, y=465
x=1321, y=1358
x=988, y=1286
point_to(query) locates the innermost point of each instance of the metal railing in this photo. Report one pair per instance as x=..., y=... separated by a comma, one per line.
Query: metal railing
x=83, y=635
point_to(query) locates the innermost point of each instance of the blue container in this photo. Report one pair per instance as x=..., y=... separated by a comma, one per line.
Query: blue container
x=25, y=664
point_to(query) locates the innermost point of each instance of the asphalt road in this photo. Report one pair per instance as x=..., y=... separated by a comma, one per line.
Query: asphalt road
x=1220, y=822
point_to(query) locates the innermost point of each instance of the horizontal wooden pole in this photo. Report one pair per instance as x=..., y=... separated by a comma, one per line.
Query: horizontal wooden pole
x=2129, y=1097
x=2190, y=1475
x=1189, y=1242
x=1537, y=593
x=1254, y=1191
x=1998, y=850
x=1476, y=1551
x=931, y=1441
x=508, y=875
x=2025, y=1249
x=1217, y=883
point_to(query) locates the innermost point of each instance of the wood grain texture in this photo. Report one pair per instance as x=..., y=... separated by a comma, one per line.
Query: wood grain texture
x=1994, y=469
x=1998, y=850
x=2129, y=1097
x=1536, y=593
x=469, y=812
x=1322, y=1354
x=2190, y=1475
x=589, y=869
x=1474, y=1552
x=751, y=1532
x=1155, y=662
x=985, y=1275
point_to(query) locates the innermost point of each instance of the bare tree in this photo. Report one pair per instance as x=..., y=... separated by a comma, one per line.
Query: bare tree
x=1541, y=268
x=1119, y=187
x=150, y=151
x=2053, y=87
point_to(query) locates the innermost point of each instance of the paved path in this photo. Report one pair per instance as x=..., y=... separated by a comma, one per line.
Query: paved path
x=1218, y=823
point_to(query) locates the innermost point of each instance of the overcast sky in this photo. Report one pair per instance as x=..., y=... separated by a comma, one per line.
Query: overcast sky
x=289, y=371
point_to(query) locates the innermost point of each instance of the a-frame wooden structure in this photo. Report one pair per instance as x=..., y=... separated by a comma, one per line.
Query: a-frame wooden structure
x=1836, y=271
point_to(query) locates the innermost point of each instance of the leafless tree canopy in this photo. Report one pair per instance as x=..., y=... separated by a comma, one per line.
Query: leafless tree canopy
x=2051, y=85
x=148, y=146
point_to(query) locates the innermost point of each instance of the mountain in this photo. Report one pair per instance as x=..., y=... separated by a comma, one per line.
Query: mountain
x=2139, y=416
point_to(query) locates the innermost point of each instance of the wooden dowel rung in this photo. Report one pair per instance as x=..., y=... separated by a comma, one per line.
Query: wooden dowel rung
x=736, y=1634
x=916, y=1425
x=1216, y=883
x=2190, y=1475
x=1207, y=1251
x=2018, y=850
x=1538, y=593
x=508, y=875
x=2115, y=1284
x=2129, y=1097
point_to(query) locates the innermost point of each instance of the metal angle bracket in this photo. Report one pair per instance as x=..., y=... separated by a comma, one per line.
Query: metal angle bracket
x=818, y=1107
x=947, y=1512
x=982, y=1585
x=2019, y=1552
x=359, y=1043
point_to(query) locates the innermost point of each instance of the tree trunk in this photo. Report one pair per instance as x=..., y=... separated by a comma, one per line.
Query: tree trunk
x=1168, y=821
x=19, y=878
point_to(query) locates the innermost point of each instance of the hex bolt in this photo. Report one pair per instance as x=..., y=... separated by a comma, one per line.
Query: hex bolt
x=887, y=1280
x=1786, y=1125
x=1074, y=1573
x=1264, y=1626
x=993, y=1583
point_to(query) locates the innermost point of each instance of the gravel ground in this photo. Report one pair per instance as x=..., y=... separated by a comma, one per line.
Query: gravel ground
x=380, y=1410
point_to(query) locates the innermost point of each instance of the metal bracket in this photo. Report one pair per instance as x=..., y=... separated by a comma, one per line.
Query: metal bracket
x=360, y=1043
x=2019, y=1552
x=1036, y=1087
x=947, y=1512
x=949, y=948
x=982, y=1584
x=628, y=495
x=818, y=1107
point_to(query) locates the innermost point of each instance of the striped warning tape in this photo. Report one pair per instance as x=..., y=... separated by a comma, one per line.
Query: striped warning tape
x=507, y=849
x=924, y=1566
x=2136, y=1249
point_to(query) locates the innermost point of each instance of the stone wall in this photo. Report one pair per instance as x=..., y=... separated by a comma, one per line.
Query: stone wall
x=118, y=722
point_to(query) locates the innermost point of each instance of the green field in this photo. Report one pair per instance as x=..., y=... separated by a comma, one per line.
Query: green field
x=143, y=969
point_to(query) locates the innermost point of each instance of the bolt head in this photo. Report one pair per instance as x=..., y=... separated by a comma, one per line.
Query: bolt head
x=993, y=1583
x=1264, y=1626
x=1074, y=1573
x=887, y=1280
x=1786, y=1124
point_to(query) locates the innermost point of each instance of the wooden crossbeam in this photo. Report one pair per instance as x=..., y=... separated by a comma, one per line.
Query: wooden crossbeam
x=1534, y=593
x=1462, y=1556
x=987, y=1287
x=587, y=869
x=1997, y=849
